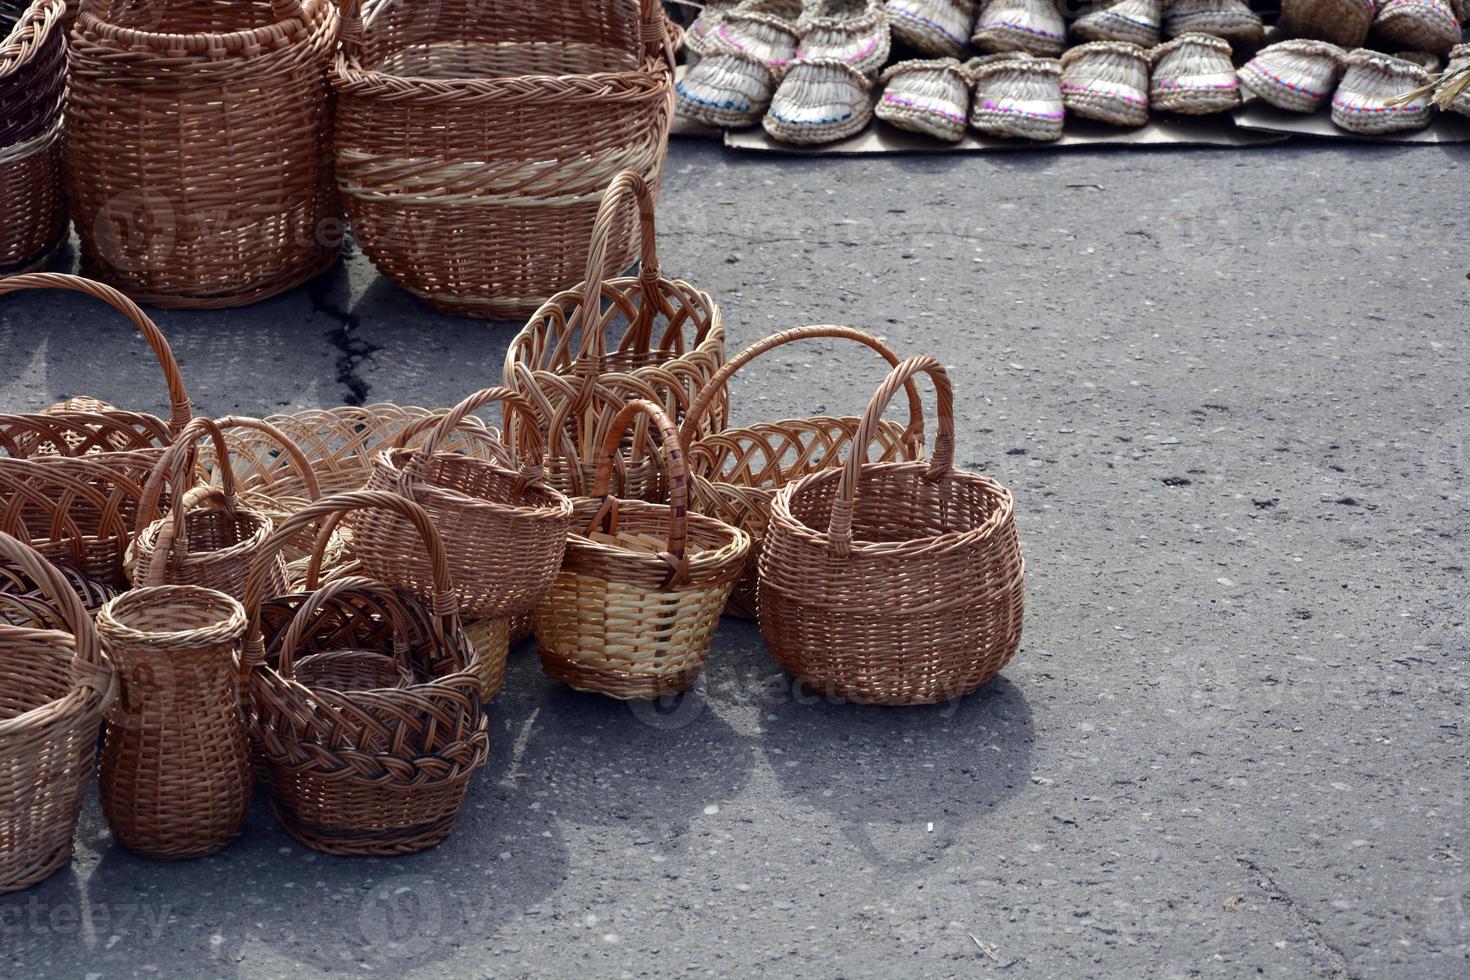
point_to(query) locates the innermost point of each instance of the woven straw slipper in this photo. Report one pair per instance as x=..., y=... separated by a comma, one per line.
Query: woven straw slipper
x=1034, y=26
x=726, y=88
x=1452, y=94
x=1233, y=20
x=1342, y=22
x=1298, y=75
x=1107, y=81
x=1019, y=98
x=765, y=29
x=1417, y=25
x=699, y=38
x=854, y=31
x=929, y=97
x=819, y=102
x=936, y=27
x=1193, y=74
x=1365, y=99
x=1135, y=21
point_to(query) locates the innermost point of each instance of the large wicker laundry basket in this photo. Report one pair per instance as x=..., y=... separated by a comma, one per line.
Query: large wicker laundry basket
x=32, y=90
x=475, y=140
x=198, y=157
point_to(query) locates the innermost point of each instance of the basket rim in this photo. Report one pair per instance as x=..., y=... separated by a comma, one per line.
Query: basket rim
x=225, y=628
x=59, y=710
x=42, y=17
x=653, y=78
x=1004, y=513
x=100, y=31
x=556, y=503
x=732, y=552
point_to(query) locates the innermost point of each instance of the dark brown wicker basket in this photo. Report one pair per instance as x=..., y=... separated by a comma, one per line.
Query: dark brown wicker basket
x=32, y=94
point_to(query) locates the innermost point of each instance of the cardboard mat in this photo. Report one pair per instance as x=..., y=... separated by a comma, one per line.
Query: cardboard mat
x=1261, y=117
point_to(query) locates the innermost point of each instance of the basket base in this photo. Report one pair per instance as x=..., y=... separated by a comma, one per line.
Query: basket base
x=39, y=871
x=363, y=843
x=623, y=685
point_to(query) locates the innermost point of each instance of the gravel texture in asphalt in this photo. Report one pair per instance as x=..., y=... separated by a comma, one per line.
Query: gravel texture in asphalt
x=1230, y=393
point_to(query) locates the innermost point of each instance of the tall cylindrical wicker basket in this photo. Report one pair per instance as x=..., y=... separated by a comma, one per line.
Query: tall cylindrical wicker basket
x=32, y=88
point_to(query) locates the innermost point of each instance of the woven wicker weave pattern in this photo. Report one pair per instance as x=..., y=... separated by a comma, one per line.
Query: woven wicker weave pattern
x=1107, y=81
x=54, y=688
x=175, y=776
x=893, y=583
x=930, y=97
x=1341, y=22
x=1193, y=74
x=1365, y=101
x=32, y=88
x=1298, y=75
x=1019, y=98
x=1135, y=21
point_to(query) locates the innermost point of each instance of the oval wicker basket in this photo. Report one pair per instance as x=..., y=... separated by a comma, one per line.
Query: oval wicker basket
x=198, y=164
x=89, y=444
x=672, y=344
x=1019, y=98
x=1341, y=22
x=1193, y=74
x=893, y=583
x=1107, y=81
x=640, y=593
x=1298, y=75
x=475, y=140
x=505, y=531
x=379, y=772
x=928, y=97
x=1138, y=22
x=54, y=687
x=939, y=28
x=852, y=31
x=1417, y=25
x=819, y=102
x=32, y=94
x=734, y=474
x=1366, y=100
x=1033, y=26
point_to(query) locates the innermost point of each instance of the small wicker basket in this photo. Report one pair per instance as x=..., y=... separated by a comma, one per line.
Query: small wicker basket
x=1341, y=22
x=1298, y=75
x=820, y=102
x=1193, y=74
x=764, y=29
x=640, y=593
x=54, y=688
x=1033, y=26
x=1019, y=98
x=929, y=97
x=1107, y=81
x=1135, y=21
x=940, y=28
x=1417, y=25
x=1366, y=98
x=32, y=95
x=854, y=31
x=726, y=88
x=893, y=583
x=1234, y=20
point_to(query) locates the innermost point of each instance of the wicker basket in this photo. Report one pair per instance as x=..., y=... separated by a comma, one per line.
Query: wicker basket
x=491, y=639
x=893, y=583
x=85, y=444
x=820, y=102
x=23, y=602
x=505, y=531
x=1033, y=26
x=1298, y=75
x=474, y=144
x=198, y=150
x=1135, y=21
x=175, y=777
x=673, y=344
x=379, y=772
x=54, y=687
x=1193, y=74
x=940, y=28
x=640, y=593
x=727, y=88
x=1233, y=20
x=764, y=29
x=1341, y=22
x=929, y=97
x=735, y=474
x=1107, y=81
x=854, y=31
x=1019, y=98
x=1452, y=94
x=1417, y=25
x=209, y=538
x=1366, y=98
x=32, y=92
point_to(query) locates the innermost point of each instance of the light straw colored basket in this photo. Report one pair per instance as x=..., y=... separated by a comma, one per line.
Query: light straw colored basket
x=820, y=102
x=198, y=153
x=1019, y=98
x=1193, y=74
x=55, y=685
x=764, y=29
x=1233, y=20
x=893, y=583
x=854, y=31
x=1135, y=21
x=1034, y=26
x=475, y=139
x=1453, y=97
x=1107, y=81
x=491, y=639
x=1341, y=22
x=929, y=97
x=1298, y=75
x=640, y=593
x=1365, y=98
x=726, y=88
x=940, y=28
x=1417, y=25
x=32, y=95
x=736, y=473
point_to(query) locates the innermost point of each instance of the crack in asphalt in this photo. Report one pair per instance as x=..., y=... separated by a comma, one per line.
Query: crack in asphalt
x=354, y=350
x=1267, y=884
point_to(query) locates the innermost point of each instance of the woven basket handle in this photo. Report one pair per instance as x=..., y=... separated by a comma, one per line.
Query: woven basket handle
x=675, y=468
x=839, y=531
x=63, y=598
x=455, y=417
x=350, y=32
x=397, y=613
x=177, y=465
x=178, y=397
x=288, y=445
x=36, y=497
x=445, y=605
x=913, y=435
x=592, y=358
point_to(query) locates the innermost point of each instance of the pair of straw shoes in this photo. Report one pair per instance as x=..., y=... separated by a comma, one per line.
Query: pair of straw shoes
x=1410, y=25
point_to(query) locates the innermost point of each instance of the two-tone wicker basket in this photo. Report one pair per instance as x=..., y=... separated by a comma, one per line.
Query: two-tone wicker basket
x=32, y=92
